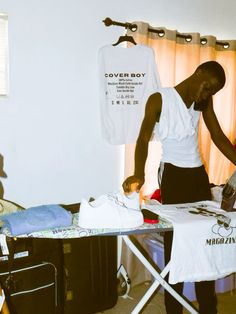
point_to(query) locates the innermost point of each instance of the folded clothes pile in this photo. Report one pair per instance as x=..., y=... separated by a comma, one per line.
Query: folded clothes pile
x=36, y=219
x=114, y=211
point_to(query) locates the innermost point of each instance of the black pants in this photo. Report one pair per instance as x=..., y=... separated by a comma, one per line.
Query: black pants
x=185, y=185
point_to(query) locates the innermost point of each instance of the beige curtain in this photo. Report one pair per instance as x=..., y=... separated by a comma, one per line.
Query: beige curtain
x=177, y=56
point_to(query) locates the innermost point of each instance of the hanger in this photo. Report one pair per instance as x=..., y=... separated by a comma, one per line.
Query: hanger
x=125, y=38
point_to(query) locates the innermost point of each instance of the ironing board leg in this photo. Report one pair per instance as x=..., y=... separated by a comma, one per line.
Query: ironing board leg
x=159, y=280
x=119, y=251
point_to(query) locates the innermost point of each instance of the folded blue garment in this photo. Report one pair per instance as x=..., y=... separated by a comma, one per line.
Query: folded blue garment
x=37, y=219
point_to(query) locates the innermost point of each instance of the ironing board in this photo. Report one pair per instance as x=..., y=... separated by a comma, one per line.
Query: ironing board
x=74, y=231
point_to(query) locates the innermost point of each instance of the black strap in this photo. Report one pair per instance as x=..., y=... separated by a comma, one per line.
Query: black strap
x=8, y=285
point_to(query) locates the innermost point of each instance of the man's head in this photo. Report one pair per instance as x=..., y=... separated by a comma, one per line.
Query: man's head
x=209, y=78
x=214, y=70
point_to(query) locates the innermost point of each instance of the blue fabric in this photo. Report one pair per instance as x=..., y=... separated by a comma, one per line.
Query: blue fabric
x=36, y=219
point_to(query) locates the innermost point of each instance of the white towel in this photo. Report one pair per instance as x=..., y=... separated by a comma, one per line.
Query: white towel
x=204, y=241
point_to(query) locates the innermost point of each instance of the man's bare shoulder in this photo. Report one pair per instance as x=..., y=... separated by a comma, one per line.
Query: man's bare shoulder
x=155, y=97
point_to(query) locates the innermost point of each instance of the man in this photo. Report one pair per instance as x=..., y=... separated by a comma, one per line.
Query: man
x=174, y=114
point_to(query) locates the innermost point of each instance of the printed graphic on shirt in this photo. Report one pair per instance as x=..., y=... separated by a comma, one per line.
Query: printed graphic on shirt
x=223, y=226
x=124, y=88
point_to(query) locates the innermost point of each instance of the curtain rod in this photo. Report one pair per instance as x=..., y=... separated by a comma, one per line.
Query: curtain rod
x=161, y=32
x=109, y=22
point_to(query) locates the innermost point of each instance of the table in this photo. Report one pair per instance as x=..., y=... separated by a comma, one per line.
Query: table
x=75, y=231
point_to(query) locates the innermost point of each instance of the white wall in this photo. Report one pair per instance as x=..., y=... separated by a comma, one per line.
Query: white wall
x=50, y=123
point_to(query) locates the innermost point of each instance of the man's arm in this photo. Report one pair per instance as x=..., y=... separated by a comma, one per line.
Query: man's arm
x=217, y=135
x=152, y=114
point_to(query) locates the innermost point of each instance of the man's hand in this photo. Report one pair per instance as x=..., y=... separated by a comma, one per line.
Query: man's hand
x=132, y=184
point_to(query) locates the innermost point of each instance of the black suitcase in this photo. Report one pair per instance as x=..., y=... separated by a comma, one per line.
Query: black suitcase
x=33, y=289
x=32, y=276
x=91, y=274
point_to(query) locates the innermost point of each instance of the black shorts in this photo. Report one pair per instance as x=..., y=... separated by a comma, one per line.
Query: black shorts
x=184, y=185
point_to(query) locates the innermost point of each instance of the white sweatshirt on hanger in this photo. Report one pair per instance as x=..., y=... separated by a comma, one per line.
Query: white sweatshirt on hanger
x=127, y=76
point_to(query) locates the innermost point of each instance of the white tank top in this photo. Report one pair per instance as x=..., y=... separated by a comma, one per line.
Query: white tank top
x=178, y=130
